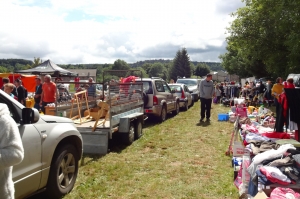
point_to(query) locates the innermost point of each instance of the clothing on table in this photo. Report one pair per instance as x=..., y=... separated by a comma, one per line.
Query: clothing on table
x=274, y=175
x=11, y=150
x=284, y=193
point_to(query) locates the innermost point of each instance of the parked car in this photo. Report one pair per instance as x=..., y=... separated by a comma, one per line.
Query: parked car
x=158, y=98
x=193, y=85
x=52, y=149
x=296, y=78
x=184, y=95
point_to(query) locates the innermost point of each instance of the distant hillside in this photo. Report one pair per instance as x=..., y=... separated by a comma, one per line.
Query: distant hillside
x=214, y=66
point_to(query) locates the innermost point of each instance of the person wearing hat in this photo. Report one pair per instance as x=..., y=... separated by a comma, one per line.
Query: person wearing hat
x=38, y=92
x=206, y=94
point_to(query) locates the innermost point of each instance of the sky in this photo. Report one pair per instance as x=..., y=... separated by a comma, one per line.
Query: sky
x=102, y=31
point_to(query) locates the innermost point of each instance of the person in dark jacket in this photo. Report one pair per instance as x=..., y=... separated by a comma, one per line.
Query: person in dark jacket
x=21, y=91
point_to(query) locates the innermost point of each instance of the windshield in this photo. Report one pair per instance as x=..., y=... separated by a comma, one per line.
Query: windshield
x=188, y=82
x=175, y=88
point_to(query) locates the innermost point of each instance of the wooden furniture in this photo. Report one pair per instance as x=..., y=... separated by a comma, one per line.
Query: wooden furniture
x=78, y=101
x=103, y=111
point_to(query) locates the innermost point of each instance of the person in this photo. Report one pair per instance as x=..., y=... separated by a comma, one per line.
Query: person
x=91, y=89
x=172, y=81
x=261, y=91
x=290, y=83
x=77, y=80
x=277, y=89
x=8, y=88
x=217, y=93
x=21, y=91
x=206, y=95
x=38, y=92
x=11, y=150
x=221, y=87
x=268, y=91
x=5, y=80
x=49, y=92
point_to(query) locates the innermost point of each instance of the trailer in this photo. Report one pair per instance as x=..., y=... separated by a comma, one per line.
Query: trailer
x=120, y=111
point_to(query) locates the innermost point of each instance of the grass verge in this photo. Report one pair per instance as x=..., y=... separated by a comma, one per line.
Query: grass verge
x=180, y=158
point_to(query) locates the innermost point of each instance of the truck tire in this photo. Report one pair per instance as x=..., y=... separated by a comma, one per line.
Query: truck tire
x=128, y=138
x=163, y=114
x=138, y=129
x=63, y=172
x=176, y=111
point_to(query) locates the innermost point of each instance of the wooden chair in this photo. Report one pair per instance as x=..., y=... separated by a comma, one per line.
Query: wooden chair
x=103, y=112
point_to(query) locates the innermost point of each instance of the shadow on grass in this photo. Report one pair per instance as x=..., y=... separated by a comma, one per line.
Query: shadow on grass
x=204, y=123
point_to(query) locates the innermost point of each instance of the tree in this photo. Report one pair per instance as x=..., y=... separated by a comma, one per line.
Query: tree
x=264, y=39
x=3, y=70
x=201, y=70
x=181, y=65
x=36, y=61
x=120, y=65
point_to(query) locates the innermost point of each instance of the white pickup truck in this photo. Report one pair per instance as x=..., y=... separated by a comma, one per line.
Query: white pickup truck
x=53, y=147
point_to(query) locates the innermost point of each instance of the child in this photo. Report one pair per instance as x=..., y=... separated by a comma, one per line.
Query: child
x=8, y=88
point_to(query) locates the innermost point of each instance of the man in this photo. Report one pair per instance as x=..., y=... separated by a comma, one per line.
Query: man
x=21, y=91
x=91, y=89
x=77, y=80
x=206, y=95
x=5, y=80
x=49, y=91
x=38, y=92
x=11, y=150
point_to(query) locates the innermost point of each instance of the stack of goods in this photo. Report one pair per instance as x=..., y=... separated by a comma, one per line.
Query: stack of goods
x=270, y=157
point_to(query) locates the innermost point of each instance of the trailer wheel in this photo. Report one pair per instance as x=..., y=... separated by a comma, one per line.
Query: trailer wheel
x=138, y=129
x=128, y=138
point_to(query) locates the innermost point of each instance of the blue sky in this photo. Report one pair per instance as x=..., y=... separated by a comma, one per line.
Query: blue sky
x=98, y=31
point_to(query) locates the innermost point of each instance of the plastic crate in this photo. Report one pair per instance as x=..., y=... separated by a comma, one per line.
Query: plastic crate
x=223, y=117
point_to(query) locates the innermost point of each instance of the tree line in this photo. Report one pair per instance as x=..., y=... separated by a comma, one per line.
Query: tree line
x=180, y=66
x=264, y=39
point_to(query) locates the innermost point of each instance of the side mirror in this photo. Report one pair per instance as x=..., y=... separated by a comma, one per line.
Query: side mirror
x=30, y=115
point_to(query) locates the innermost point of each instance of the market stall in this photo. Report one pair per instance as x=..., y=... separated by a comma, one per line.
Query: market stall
x=265, y=149
x=28, y=81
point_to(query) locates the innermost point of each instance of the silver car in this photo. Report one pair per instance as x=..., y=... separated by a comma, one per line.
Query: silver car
x=184, y=95
x=52, y=149
x=193, y=86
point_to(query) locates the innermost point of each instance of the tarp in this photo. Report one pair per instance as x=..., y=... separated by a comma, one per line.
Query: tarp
x=48, y=67
x=28, y=81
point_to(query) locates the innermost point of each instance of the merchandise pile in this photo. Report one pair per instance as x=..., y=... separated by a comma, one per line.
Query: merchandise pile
x=265, y=162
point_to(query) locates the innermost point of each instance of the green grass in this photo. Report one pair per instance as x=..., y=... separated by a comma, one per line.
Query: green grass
x=179, y=158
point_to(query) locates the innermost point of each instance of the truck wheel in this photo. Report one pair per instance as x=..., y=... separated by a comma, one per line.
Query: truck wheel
x=63, y=172
x=128, y=138
x=138, y=129
x=163, y=114
x=176, y=111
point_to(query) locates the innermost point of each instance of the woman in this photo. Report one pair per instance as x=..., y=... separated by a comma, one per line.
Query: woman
x=8, y=88
x=217, y=93
x=11, y=151
x=21, y=91
x=277, y=89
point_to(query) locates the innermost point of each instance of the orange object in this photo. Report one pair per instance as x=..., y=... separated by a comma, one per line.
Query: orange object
x=49, y=92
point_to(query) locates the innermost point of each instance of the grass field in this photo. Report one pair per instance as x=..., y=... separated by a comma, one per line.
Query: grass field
x=180, y=158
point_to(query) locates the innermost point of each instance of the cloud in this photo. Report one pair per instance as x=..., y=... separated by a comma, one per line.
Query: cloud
x=92, y=31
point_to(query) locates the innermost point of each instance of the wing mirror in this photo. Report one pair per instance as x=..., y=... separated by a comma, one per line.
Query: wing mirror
x=30, y=116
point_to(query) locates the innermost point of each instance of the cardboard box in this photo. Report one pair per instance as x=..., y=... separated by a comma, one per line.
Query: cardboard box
x=261, y=195
x=49, y=110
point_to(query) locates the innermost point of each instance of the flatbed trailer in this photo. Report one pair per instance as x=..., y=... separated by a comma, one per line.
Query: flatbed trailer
x=125, y=115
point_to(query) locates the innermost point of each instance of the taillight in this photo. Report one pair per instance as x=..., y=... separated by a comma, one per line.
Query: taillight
x=182, y=94
x=155, y=100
